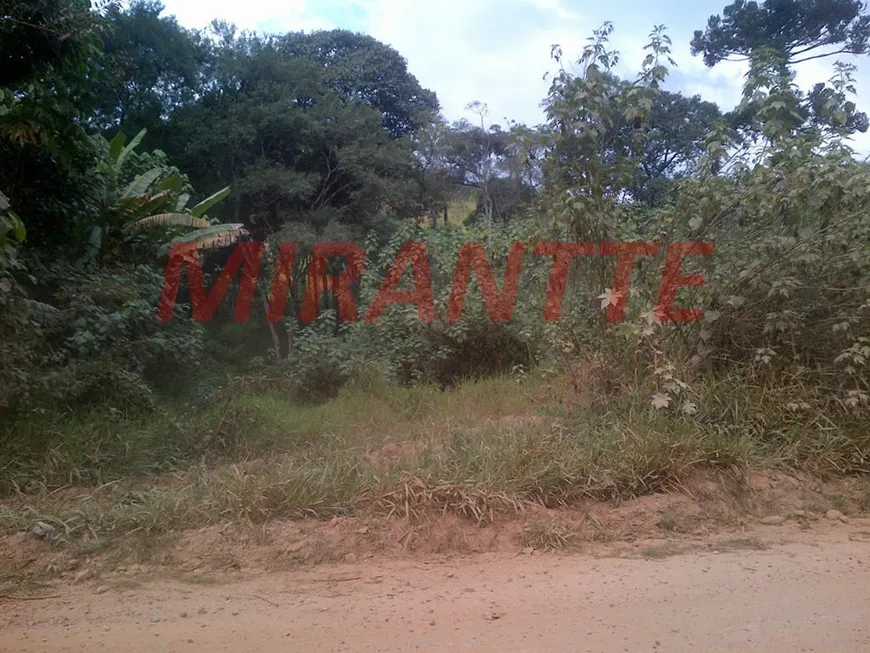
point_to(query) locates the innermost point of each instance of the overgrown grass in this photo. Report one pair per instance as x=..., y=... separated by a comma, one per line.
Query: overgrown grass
x=484, y=447
x=54, y=450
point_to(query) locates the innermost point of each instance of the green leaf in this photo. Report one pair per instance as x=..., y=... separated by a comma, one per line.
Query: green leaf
x=116, y=145
x=182, y=201
x=132, y=145
x=130, y=209
x=171, y=183
x=209, y=202
x=125, y=210
x=142, y=183
x=18, y=230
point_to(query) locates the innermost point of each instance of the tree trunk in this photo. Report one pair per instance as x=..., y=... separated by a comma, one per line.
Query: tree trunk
x=276, y=343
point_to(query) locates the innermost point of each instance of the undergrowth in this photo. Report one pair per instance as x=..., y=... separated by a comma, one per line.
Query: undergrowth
x=483, y=448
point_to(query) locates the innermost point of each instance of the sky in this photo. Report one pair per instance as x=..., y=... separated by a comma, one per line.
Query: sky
x=498, y=51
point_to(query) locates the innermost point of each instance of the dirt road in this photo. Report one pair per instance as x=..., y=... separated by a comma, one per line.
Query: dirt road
x=812, y=594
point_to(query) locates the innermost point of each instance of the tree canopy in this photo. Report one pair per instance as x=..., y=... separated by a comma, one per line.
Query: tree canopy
x=359, y=68
x=796, y=30
x=774, y=37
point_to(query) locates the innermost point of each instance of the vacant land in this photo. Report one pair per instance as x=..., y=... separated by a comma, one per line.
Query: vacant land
x=685, y=368
x=497, y=516
x=500, y=465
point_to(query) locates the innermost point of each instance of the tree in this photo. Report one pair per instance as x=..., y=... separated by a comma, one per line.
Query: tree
x=797, y=30
x=291, y=148
x=673, y=143
x=430, y=173
x=481, y=157
x=489, y=145
x=828, y=107
x=360, y=68
x=47, y=52
x=150, y=66
x=508, y=196
x=773, y=38
x=527, y=149
x=500, y=167
x=155, y=197
x=599, y=125
x=44, y=37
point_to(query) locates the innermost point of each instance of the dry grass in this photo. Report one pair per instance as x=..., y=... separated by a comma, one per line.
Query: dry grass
x=479, y=450
x=546, y=536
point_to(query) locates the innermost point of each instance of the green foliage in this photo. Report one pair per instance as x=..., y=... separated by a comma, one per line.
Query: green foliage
x=43, y=36
x=149, y=67
x=789, y=279
x=93, y=341
x=48, y=50
x=597, y=121
x=328, y=137
x=293, y=147
x=495, y=162
x=14, y=355
x=409, y=351
x=359, y=68
x=321, y=363
x=12, y=232
x=673, y=145
x=794, y=29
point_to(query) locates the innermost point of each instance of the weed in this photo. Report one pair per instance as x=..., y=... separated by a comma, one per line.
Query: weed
x=742, y=544
x=546, y=536
x=839, y=502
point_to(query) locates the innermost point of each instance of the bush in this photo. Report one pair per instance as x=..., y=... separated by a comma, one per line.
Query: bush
x=322, y=360
x=93, y=340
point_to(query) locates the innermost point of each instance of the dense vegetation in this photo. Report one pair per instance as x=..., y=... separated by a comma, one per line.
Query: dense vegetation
x=122, y=132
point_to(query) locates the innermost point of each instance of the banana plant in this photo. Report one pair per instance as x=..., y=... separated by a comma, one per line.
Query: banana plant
x=151, y=200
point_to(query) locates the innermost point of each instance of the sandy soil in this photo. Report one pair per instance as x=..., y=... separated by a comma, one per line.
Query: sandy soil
x=779, y=588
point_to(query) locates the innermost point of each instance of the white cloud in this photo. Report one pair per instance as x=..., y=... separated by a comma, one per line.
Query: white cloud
x=249, y=14
x=457, y=49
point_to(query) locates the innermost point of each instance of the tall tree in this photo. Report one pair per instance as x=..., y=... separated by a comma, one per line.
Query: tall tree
x=798, y=30
x=775, y=36
x=41, y=37
x=673, y=144
x=360, y=68
x=150, y=67
x=499, y=166
x=290, y=147
x=598, y=128
x=47, y=51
